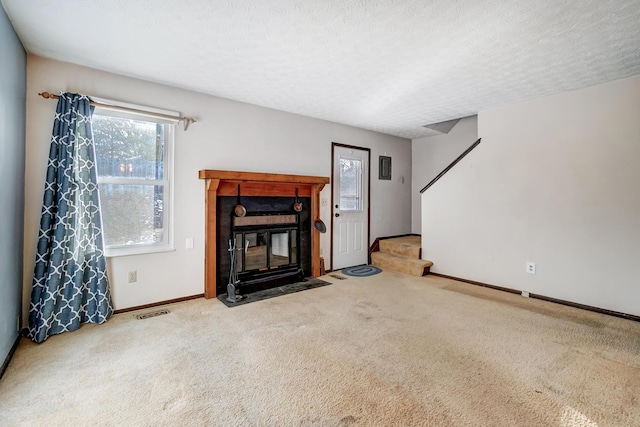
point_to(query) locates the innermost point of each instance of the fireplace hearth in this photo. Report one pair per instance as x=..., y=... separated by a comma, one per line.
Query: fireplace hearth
x=276, y=241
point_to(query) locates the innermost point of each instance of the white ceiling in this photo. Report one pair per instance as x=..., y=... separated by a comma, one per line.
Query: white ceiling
x=387, y=65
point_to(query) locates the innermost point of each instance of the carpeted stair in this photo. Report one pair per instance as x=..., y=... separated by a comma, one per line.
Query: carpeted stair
x=401, y=254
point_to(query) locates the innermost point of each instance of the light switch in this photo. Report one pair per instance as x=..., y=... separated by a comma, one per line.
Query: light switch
x=188, y=243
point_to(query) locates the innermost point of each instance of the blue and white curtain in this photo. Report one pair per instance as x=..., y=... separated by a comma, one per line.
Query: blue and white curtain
x=70, y=284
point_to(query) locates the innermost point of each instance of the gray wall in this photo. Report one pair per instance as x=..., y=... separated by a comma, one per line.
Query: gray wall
x=12, y=148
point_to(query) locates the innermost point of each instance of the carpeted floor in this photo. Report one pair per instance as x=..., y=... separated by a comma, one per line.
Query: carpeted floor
x=386, y=350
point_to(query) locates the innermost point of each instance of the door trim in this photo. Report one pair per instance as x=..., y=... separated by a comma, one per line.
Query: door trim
x=333, y=189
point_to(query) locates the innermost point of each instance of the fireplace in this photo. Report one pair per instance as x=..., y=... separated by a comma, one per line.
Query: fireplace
x=275, y=243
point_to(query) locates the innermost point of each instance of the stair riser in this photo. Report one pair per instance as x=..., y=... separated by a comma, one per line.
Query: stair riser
x=404, y=250
x=415, y=269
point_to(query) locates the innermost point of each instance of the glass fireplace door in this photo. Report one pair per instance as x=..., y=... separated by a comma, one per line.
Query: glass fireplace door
x=266, y=249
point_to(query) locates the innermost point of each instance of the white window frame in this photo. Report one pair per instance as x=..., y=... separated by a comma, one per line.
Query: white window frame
x=168, y=194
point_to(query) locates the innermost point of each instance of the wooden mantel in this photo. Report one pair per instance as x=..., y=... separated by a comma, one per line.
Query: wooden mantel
x=224, y=183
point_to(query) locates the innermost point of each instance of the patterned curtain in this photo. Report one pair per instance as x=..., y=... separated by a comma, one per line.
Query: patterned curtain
x=70, y=284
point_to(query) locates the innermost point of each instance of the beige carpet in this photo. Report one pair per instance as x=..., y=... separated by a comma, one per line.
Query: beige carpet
x=386, y=350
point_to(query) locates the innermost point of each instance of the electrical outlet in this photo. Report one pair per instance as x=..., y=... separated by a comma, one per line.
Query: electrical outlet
x=531, y=268
x=525, y=294
x=324, y=201
x=133, y=276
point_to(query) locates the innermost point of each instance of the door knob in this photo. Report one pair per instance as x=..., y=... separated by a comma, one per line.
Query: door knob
x=337, y=215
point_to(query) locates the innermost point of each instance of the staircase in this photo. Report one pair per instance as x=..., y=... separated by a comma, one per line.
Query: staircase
x=401, y=254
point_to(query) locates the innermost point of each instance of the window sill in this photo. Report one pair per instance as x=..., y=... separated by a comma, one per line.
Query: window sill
x=144, y=250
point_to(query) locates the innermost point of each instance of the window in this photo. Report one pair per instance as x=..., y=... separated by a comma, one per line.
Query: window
x=133, y=155
x=350, y=184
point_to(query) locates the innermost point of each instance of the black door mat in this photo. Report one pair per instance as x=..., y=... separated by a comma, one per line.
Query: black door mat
x=274, y=292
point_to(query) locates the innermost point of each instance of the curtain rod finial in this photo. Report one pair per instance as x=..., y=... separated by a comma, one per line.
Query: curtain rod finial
x=187, y=122
x=46, y=95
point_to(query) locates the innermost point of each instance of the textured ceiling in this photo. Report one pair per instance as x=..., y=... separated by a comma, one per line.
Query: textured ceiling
x=389, y=66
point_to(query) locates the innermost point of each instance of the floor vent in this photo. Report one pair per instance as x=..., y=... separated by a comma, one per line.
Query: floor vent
x=335, y=276
x=152, y=314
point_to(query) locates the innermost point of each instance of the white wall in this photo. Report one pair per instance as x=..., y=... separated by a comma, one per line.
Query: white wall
x=430, y=155
x=229, y=135
x=554, y=181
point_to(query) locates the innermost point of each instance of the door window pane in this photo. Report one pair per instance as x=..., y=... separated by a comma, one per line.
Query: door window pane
x=350, y=184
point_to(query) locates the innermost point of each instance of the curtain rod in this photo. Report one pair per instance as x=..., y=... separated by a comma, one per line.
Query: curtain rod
x=187, y=120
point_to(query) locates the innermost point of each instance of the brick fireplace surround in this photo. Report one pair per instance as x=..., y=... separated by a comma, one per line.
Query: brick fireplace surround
x=225, y=183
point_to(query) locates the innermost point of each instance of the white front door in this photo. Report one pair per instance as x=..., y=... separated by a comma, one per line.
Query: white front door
x=350, y=207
